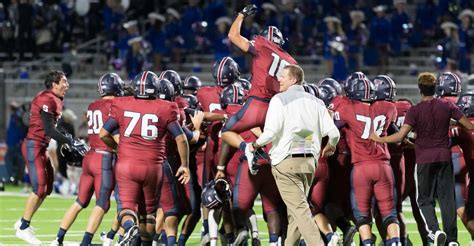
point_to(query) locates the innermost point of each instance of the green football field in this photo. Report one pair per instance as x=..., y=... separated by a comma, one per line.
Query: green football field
x=47, y=220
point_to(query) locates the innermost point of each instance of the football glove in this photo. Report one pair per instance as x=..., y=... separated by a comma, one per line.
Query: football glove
x=250, y=9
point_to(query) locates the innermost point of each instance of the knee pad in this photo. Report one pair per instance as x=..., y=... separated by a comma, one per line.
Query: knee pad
x=363, y=220
x=126, y=212
x=151, y=219
x=391, y=219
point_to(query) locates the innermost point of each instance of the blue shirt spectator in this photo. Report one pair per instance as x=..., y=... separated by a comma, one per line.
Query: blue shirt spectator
x=400, y=23
x=112, y=19
x=426, y=18
x=213, y=10
x=191, y=14
x=380, y=30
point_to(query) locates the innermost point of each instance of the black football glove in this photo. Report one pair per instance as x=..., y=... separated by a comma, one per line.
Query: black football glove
x=249, y=10
x=79, y=146
x=76, y=145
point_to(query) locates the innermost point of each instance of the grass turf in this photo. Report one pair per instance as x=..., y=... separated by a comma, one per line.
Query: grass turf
x=47, y=219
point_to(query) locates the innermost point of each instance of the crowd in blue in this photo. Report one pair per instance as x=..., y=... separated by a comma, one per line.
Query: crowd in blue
x=346, y=34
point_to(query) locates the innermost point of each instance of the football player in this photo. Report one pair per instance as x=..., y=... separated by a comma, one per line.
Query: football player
x=191, y=85
x=143, y=122
x=448, y=87
x=386, y=90
x=45, y=112
x=224, y=71
x=97, y=167
x=465, y=139
x=338, y=206
x=268, y=60
x=176, y=200
x=245, y=186
x=372, y=176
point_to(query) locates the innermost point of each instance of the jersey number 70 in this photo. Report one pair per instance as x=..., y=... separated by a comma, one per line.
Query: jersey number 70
x=377, y=125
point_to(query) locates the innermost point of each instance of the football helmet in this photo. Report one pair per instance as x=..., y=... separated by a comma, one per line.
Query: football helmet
x=110, y=84
x=332, y=83
x=361, y=90
x=244, y=83
x=165, y=90
x=192, y=83
x=466, y=103
x=327, y=93
x=385, y=88
x=311, y=89
x=225, y=71
x=173, y=77
x=215, y=193
x=145, y=85
x=273, y=34
x=448, y=84
x=74, y=151
x=351, y=78
x=232, y=94
x=192, y=101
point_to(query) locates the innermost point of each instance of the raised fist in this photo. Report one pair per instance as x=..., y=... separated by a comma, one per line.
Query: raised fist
x=249, y=10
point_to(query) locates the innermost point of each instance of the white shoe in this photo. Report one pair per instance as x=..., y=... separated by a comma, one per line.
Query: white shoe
x=439, y=238
x=55, y=242
x=205, y=239
x=453, y=244
x=242, y=237
x=107, y=242
x=28, y=235
x=129, y=235
x=335, y=240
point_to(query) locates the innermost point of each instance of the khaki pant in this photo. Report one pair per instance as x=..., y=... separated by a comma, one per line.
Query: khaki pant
x=294, y=177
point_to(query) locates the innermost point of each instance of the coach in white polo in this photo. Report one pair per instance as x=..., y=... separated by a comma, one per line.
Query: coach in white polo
x=296, y=122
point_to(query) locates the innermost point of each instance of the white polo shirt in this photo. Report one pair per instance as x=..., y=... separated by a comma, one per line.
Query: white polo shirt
x=296, y=122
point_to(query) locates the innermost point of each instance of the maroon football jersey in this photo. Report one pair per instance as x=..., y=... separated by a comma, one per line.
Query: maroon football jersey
x=209, y=98
x=98, y=112
x=268, y=61
x=143, y=126
x=453, y=129
x=361, y=120
x=465, y=140
x=48, y=102
x=182, y=103
x=337, y=103
x=402, y=109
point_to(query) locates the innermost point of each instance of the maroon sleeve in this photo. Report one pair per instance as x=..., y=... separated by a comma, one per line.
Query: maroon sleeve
x=455, y=112
x=114, y=110
x=410, y=118
x=173, y=114
x=256, y=45
x=48, y=104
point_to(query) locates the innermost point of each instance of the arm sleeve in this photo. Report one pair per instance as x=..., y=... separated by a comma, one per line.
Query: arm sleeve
x=189, y=134
x=392, y=128
x=50, y=130
x=253, y=48
x=175, y=129
x=111, y=125
x=273, y=121
x=340, y=124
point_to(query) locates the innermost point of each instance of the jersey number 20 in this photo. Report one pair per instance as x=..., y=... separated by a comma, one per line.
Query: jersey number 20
x=94, y=121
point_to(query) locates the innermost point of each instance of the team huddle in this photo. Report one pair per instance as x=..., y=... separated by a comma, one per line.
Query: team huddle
x=173, y=152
